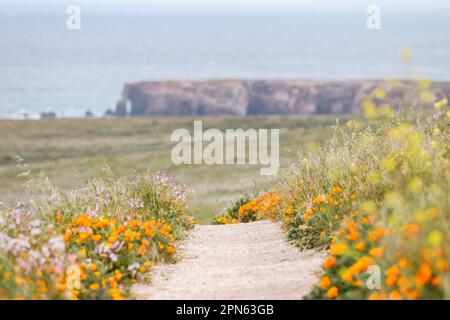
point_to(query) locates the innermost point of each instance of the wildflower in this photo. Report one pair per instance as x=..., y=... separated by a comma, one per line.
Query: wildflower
x=412, y=229
x=94, y=286
x=336, y=190
x=318, y=200
x=436, y=281
x=112, y=239
x=325, y=282
x=395, y=295
x=333, y=292
x=394, y=270
x=391, y=280
x=329, y=262
x=404, y=263
x=423, y=275
x=435, y=238
x=338, y=249
x=414, y=294
x=442, y=265
x=170, y=249
x=358, y=283
x=353, y=235
x=128, y=233
x=377, y=252
x=379, y=93
x=118, y=275
x=368, y=207
x=96, y=237
x=427, y=97
x=375, y=296
x=347, y=276
x=142, y=250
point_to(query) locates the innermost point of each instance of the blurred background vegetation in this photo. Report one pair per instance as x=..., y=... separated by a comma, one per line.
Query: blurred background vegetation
x=70, y=151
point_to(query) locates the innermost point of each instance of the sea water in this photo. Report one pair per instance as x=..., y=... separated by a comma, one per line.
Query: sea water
x=46, y=67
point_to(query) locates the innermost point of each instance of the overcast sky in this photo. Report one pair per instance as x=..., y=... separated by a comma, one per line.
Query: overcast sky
x=234, y=3
x=175, y=6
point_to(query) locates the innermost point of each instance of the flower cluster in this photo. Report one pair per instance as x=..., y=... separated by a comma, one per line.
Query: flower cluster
x=410, y=268
x=312, y=223
x=376, y=197
x=244, y=210
x=391, y=242
x=92, y=243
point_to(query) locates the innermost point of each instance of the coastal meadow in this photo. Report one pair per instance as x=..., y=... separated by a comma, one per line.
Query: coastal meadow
x=375, y=197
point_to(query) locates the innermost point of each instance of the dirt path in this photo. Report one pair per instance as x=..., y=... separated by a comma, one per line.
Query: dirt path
x=242, y=261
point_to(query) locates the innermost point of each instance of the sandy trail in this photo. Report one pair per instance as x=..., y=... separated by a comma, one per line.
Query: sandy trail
x=242, y=261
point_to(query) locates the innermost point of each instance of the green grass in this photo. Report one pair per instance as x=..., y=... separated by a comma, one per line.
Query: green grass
x=69, y=151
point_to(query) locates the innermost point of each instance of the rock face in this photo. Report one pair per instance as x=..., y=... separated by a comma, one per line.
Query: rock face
x=185, y=98
x=247, y=97
x=302, y=97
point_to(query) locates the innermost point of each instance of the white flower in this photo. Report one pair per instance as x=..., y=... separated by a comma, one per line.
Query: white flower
x=57, y=244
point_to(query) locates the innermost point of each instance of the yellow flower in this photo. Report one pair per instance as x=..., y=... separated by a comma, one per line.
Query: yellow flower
x=360, y=246
x=94, y=286
x=379, y=93
x=347, y=276
x=427, y=97
x=338, y=249
x=96, y=237
x=441, y=103
x=435, y=238
x=128, y=233
x=336, y=190
x=368, y=207
x=377, y=252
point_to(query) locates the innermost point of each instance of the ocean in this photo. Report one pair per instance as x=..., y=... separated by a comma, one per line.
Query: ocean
x=46, y=67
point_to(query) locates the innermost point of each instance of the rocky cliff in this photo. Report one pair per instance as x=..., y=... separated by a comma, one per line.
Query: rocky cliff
x=250, y=97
